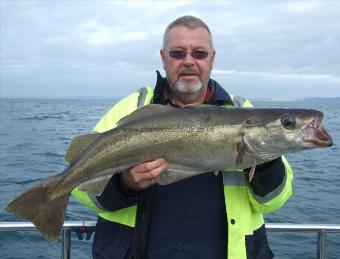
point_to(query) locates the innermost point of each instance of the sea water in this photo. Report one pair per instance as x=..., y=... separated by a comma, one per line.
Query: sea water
x=34, y=136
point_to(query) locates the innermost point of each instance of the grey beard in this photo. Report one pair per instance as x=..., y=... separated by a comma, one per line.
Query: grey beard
x=183, y=89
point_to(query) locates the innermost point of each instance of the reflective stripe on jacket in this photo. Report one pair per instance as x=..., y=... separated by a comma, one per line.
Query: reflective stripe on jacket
x=244, y=209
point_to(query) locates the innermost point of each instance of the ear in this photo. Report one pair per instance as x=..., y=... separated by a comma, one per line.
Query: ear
x=162, y=52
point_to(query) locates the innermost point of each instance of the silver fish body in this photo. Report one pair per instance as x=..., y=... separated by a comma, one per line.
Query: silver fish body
x=193, y=139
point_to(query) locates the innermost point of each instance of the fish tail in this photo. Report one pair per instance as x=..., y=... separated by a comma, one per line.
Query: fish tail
x=46, y=213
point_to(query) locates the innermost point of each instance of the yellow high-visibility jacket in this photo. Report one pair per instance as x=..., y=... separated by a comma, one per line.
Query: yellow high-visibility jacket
x=244, y=208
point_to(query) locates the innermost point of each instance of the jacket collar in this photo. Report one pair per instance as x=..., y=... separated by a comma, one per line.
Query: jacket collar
x=219, y=97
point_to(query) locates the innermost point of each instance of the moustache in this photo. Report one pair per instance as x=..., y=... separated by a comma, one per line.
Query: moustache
x=187, y=71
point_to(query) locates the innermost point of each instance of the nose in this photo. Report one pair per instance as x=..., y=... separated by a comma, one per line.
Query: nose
x=188, y=60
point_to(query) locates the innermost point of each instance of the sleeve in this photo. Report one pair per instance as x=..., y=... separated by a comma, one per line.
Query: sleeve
x=112, y=198
x=264, y=180
x=271, y=185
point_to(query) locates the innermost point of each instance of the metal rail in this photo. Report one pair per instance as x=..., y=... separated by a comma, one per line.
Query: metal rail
x=320, y=229
x=87, y=227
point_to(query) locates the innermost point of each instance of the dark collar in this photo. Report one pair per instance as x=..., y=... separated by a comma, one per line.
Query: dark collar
x=220, y=96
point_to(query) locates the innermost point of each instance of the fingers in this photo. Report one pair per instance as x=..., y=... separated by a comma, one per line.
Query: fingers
x=144, y=175
x=148, y=166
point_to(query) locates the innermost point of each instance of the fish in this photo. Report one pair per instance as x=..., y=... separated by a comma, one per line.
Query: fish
x=194, y=139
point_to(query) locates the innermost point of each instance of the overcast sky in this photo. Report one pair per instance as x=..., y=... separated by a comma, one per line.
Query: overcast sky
x=271, y=49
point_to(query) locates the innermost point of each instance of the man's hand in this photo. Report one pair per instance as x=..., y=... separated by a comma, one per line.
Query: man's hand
x=143, y=175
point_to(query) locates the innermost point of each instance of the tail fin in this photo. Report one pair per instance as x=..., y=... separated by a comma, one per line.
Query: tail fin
x=45, y=213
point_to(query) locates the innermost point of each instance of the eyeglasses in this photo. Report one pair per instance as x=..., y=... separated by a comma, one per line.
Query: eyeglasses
x=181, y=54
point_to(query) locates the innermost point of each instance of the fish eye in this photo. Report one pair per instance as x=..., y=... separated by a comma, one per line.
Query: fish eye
x=288, y=122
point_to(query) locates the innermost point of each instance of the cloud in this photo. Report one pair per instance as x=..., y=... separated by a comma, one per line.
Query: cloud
x=97, y=34
x=103, y=45
x=302, y=6
x=268, y=75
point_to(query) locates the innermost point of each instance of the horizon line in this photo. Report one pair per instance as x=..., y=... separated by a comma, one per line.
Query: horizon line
x=115, y=98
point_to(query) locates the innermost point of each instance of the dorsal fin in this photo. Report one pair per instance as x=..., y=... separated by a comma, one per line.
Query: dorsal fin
x=77, y=145
x=144, y=112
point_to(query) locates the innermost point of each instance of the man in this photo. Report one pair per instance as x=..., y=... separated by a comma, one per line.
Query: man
x=206, y=216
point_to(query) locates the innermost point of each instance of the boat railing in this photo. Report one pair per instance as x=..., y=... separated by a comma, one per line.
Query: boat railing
x=87, y=228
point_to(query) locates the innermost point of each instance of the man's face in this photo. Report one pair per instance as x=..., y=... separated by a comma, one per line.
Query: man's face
x=188, y=75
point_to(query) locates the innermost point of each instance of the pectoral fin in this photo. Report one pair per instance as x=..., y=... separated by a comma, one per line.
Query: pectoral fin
x=241, y=150
x=252, y=171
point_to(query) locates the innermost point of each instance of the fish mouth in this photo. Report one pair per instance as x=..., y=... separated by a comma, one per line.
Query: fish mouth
x=317, y=135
